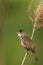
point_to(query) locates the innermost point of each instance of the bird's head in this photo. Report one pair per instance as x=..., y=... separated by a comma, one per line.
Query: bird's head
x=21, y=33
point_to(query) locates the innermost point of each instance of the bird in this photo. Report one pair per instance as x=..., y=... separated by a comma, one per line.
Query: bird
x=26, y=42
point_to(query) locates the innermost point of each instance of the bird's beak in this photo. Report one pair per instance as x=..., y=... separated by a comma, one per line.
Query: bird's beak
x=16, y=32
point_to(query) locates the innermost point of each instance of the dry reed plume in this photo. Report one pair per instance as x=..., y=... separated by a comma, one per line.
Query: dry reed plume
x=38, y=19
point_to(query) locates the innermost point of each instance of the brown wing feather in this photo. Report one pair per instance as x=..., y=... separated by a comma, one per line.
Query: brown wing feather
x=28, y=43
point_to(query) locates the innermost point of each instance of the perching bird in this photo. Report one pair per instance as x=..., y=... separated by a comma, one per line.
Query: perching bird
x=27, y=42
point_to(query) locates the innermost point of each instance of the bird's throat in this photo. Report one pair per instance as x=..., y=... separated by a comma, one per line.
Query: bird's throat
x=20, y=36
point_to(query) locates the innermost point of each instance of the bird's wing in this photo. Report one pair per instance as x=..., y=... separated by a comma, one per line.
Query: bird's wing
x=28, y=42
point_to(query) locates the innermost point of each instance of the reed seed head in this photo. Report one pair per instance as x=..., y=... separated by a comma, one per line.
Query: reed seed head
x=38, y=19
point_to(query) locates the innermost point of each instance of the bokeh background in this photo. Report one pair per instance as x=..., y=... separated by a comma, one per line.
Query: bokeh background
x=13, y=17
